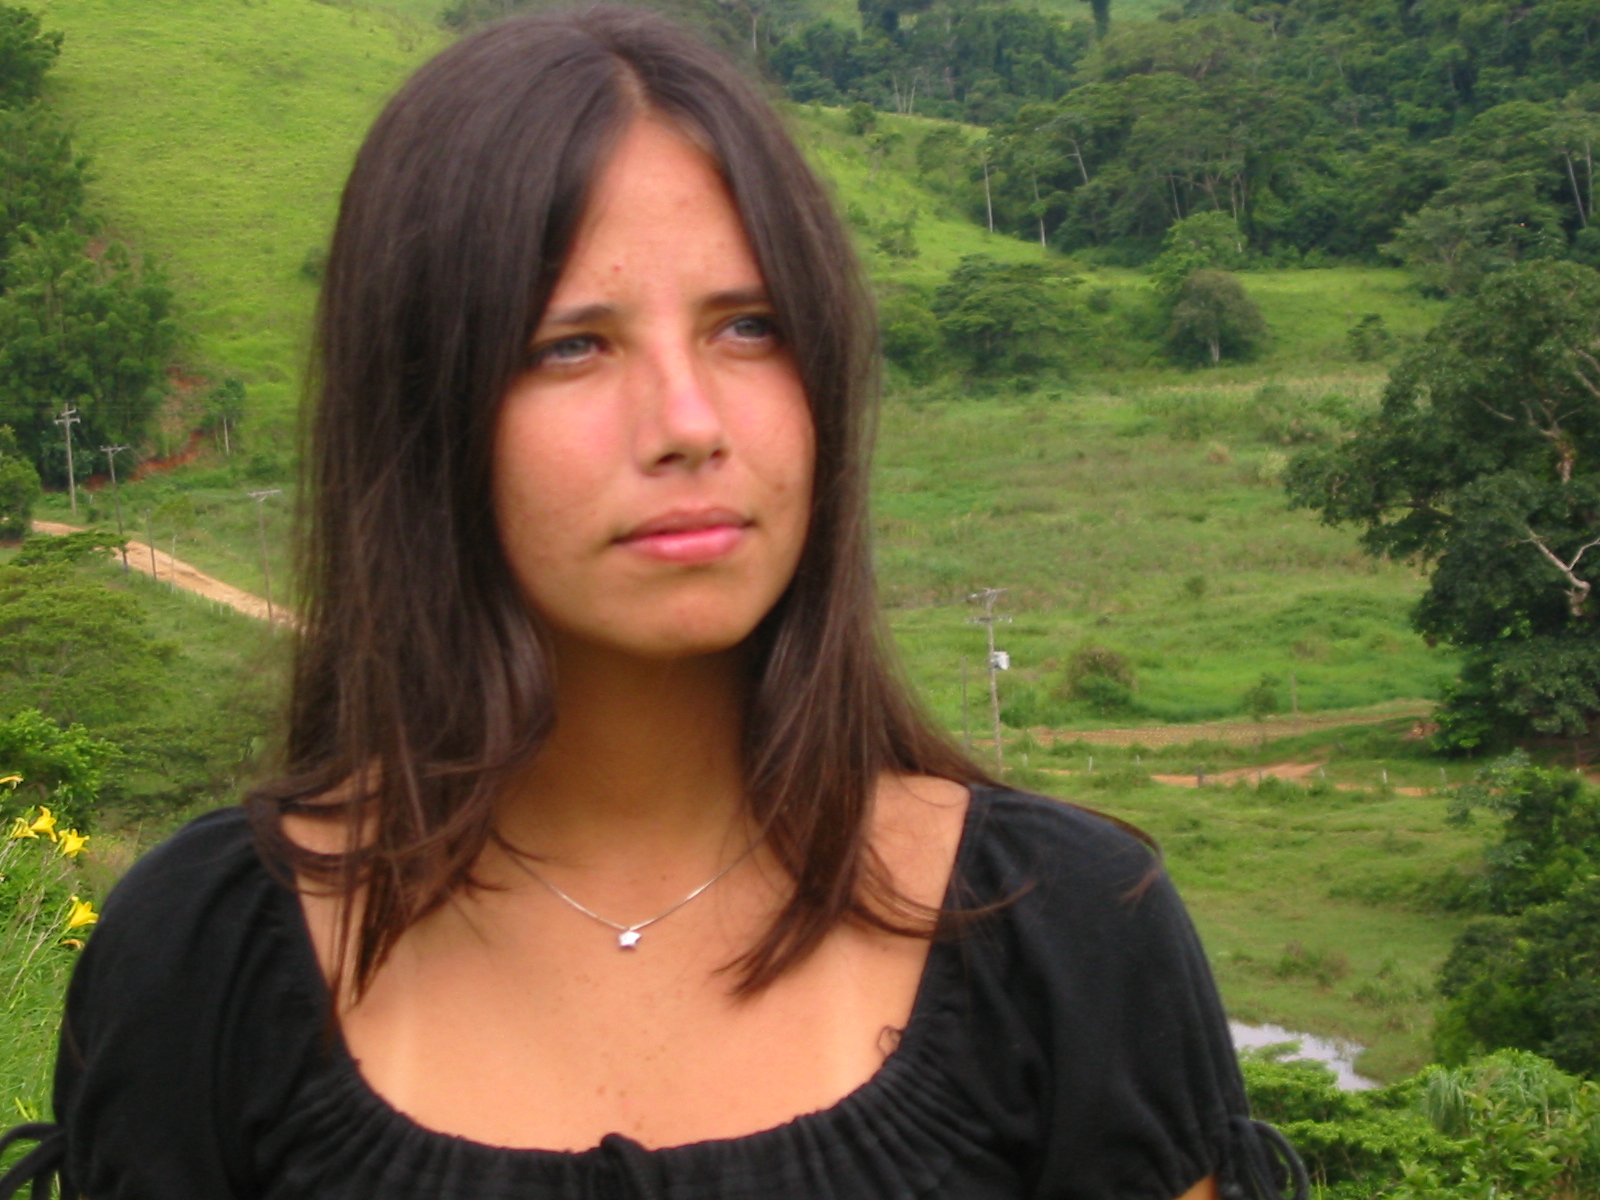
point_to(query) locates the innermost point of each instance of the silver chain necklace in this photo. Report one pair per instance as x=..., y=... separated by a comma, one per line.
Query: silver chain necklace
x=628, y=935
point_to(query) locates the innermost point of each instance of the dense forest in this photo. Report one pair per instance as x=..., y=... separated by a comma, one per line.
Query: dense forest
x=1451, y=136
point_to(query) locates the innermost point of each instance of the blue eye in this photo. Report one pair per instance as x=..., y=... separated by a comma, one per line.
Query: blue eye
x=753, y=327
x=567, y=349
x=572, y=347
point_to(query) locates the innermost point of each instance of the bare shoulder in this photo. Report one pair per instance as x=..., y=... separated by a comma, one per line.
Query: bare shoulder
x=916, y=828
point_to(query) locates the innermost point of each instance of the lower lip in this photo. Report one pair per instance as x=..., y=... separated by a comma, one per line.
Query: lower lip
x=689, y=546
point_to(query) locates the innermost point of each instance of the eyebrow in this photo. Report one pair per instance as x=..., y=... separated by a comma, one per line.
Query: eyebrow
x=589, y=313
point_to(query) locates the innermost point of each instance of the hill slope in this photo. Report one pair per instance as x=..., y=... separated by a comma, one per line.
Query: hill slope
x=220, y=139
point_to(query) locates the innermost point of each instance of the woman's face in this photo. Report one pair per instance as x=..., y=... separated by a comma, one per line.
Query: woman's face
x=653, y=464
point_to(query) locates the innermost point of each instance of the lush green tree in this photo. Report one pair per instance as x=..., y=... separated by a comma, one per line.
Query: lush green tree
x=1205, y=241
x=1213, y=317
x=1549, y=835
x=98, y=333
x=225, y=407
x=1507, y=1124
x=19, y=487
x=41, y=176
x=26, y=54
x=1005, y=319
x=976, y=62
x=74, y=648
x=911, y=336
x=1530, y=982
x=1483, y=461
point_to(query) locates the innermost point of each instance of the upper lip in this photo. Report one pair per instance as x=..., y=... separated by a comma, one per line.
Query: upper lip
x=685, y=520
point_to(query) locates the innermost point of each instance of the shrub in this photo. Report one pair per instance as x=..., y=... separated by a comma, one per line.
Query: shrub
x=911, y=337
x=1369, y=338
x=1100, y=678
x=1324, y=966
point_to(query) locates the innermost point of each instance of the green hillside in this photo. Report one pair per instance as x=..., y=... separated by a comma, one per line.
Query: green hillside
x=220, y=147
x=220, y=141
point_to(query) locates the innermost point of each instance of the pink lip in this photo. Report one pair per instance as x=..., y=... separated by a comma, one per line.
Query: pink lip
x=689, y=536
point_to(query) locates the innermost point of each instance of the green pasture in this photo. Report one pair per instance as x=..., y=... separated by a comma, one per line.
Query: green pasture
x=1324, y=905
x=1151, y=523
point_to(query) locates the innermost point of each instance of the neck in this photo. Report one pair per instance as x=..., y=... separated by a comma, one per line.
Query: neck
x=644, y=759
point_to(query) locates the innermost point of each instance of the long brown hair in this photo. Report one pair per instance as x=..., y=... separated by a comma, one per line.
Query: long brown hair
x=420, y=680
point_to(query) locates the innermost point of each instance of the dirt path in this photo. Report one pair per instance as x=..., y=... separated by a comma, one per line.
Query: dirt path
x=160, y=565
x=1289, y=772
x=1242, y=733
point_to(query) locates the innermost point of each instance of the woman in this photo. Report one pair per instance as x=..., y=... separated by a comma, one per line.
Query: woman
x=610, y=852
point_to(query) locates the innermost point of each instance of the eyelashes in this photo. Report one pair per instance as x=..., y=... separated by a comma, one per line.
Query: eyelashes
x=750, y=333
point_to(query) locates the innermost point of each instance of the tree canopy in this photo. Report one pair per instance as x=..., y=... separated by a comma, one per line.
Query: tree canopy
x=1483, y=462
x=83, y=321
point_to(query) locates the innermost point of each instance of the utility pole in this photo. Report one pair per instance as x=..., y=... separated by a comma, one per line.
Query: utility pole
x=150, y=540
x=261, y=524
x=68, y=418
x=111, y=453
x=989, y=596
x=966, y=724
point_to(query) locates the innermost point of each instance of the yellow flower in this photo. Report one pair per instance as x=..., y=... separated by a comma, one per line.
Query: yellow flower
x=72, y=842
x=13, y=780
x=73, y=943
x=83, y=913
x=45, y=823
x=19, y=828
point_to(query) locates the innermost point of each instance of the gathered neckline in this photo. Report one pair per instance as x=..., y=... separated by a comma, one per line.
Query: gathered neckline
x=910, y=1056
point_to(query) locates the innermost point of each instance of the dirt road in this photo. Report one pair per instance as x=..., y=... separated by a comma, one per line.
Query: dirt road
x=162, y=566
x=1239, y=733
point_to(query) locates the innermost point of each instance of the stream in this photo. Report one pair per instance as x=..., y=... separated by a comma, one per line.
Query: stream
x=1338, y=1054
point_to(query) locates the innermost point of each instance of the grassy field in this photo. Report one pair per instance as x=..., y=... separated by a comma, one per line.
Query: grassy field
x=1320, y=903
x=1151, y=523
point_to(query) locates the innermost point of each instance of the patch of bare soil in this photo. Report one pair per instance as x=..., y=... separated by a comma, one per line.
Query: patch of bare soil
x=160, y=565
x=1290, y=772
x=1242, y=733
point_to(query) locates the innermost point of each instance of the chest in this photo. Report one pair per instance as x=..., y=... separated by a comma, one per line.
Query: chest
x=519, y=1022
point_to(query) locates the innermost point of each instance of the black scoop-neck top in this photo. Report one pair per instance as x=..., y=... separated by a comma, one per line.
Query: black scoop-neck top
x=1070, y=1046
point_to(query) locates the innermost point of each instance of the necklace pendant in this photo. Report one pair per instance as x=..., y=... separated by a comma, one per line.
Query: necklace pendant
x=628, y=939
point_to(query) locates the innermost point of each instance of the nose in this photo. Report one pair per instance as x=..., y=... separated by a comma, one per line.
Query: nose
x=682, y=426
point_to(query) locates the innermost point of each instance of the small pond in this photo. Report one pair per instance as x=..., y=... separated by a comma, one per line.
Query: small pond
x=1331, y=1052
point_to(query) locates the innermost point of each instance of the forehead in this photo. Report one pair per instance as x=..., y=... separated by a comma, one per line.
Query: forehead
x=658, y=211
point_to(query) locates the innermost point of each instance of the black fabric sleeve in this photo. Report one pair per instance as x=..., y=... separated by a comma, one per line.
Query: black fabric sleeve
x=1113, y=1025
x=173, y=1042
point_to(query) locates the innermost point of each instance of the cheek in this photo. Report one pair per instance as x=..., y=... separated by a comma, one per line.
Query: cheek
x=786, y=454
x=545, y=475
